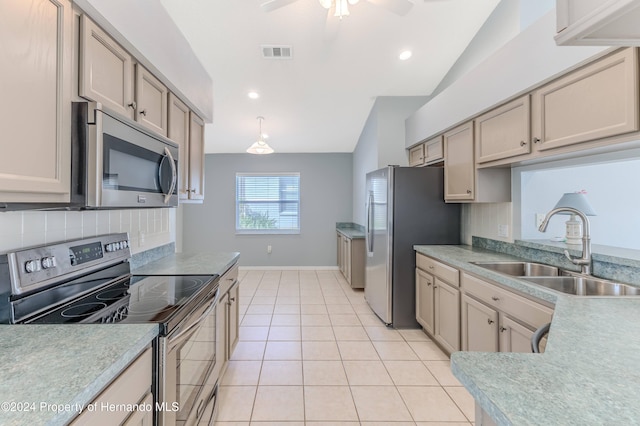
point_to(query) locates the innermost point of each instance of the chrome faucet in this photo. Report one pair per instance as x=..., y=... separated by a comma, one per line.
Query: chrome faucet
x=585, y=260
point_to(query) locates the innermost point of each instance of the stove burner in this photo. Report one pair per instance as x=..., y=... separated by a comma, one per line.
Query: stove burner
x=161, y=288
x=113, y=294
x=83, y=310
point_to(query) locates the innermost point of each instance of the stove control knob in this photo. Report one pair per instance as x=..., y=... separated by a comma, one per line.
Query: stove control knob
x=32, y=265
x=109, y=247
x=126, y=244
x=48, y=262
x=118, y=245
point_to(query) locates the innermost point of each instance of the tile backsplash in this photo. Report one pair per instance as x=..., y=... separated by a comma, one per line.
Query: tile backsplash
x=485, y=219
x=147, y=228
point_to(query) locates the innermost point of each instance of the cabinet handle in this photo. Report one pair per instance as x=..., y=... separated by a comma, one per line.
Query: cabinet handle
x=522, y=143
x=469, y=191
x=503, y=329
x=430, y=267
x=143, y=112
x=490, y=321
x=232, y=299
x=495, y=298
x=191, y=190
x=536, y=140
x=428, y=284
x=435, y=286
x=132, y=105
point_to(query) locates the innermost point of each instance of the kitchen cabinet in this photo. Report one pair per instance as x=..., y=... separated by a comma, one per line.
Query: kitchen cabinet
x=233, y=317
x=227, y=318
x=196, y=158
x=416, y=155
x=597, y=101
x=504, y=131
x=426, y=153
x=106, y=70
x=351, y=259
x=598, y=23
x=35, y=114
x=151, y=101
x=131, y=388
x=495, y=319
x=463, y=182
x=438, y=301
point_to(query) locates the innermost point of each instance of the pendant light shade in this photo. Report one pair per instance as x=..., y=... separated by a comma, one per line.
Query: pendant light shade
x=260, y=146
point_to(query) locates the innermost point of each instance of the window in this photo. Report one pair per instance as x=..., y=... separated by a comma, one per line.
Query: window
x=268, y=203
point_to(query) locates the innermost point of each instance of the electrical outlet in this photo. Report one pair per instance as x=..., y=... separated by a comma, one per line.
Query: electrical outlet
x=503, y=230
x=539, y=219
x=269, y=249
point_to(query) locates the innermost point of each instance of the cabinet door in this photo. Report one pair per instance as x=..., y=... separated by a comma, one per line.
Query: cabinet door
x=196, y=157
x=504, y=132
x=416, y=156
x=339, y=250
x=479, y=326
x=233, y=313
x=597, y=101
x=106, y=70
x=433, y=151
x=347, y=259
x=447, y=315
x=222, y=356
x=141, y=417
x=151, y=99
x=459, y=169
x=514, y=337
x=178, y=131
x=425, y=301
x=36, y=40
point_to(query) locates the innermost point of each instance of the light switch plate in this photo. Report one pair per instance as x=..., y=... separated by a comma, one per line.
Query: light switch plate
x=503, y=230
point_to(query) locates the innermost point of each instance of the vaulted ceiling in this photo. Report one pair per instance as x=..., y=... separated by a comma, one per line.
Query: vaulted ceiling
x=319, y=100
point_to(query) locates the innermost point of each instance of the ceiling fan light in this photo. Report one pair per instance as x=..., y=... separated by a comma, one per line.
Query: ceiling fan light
x=326, y=3
x=342, y=8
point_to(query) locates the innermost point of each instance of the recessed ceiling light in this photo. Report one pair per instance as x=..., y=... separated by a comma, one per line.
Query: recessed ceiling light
x=253, y=95
x=405, y=54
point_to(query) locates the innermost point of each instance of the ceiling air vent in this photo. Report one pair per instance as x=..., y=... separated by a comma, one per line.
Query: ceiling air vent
x=276, y=52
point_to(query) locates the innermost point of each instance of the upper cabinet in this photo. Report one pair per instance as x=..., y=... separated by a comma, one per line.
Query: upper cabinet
x=459, y=169
x=598, y=22
x=36, y=40
x=504, y=132
x=107, y=76
x=196, y=157
x=594, y=102
x=106, y=70
x=426, y=153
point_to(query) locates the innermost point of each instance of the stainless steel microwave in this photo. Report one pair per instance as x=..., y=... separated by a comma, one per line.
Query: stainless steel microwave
x=116, y=163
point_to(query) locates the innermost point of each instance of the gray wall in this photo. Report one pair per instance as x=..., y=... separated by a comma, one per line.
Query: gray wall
x=325, y=198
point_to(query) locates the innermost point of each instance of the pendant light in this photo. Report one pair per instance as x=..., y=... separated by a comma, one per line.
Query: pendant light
x=260, y=146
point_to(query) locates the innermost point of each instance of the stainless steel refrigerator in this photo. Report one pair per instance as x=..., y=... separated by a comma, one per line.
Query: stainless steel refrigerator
x=405, y=206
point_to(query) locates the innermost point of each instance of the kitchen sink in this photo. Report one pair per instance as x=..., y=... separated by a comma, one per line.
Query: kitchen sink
x=520, y=269
x=584, y=286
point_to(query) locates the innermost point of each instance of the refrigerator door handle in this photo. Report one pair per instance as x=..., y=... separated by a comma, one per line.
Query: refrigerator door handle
x=370, y=223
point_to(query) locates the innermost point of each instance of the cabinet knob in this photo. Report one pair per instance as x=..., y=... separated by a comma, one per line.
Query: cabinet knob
x=428, y=284
x=490, y=321
x=431, y=267
x=495, y=298
x=143, y=112
x=435, y=286
x=522, y=143
x=191, y=190
x=502, y=329
x=536, y=140
x=469, y=191
x=132, y=105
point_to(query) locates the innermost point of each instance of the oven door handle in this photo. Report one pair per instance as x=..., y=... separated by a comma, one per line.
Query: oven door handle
x=175, y=340
x=174, y=175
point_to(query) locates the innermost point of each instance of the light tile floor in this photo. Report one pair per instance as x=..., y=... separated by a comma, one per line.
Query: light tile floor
x=312, y=353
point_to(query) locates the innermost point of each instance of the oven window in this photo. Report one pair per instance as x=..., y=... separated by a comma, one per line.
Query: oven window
x=195, y=359
x=128, y=167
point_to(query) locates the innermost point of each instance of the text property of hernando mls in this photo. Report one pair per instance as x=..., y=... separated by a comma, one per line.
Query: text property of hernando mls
x=95, y=406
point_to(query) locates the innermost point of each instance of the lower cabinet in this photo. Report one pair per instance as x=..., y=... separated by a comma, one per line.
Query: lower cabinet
x=227, y=318
x=351, y=259
x=131, y=388
x=497, y=320
x=438, y=301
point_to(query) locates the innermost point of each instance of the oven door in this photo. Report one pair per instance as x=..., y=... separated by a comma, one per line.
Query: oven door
x=186, y=362
x=128, y=166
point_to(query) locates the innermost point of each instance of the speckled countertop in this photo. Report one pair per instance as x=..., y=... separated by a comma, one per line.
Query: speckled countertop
x=203, y=263
x=588, y=374
x=350, y=230
x=49, y=366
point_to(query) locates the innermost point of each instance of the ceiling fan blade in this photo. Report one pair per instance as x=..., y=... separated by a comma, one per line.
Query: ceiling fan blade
x=399, y=7
x=271, y=5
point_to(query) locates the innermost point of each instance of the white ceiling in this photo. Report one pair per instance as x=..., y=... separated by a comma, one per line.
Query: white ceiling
x=319, y=100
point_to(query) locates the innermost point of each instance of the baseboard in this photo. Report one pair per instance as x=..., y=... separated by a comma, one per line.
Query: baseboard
x=288, y=268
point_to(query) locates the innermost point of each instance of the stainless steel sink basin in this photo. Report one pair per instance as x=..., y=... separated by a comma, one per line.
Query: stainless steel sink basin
x=520, y=269
x=584, y=286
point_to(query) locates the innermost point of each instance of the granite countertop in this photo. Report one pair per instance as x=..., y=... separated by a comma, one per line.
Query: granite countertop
x=203, y=263
x=50, y=366
x=351, y=230
x=588, y=373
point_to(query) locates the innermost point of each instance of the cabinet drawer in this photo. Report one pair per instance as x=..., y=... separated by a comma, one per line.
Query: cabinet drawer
x=440, y=270
x=227, y=280
x=129, y=388
x=519, y=307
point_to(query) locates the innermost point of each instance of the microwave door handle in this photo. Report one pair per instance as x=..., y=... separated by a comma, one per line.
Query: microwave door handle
x=174, y=175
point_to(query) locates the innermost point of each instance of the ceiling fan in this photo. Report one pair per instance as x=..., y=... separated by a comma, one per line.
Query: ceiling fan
x=399, y=7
